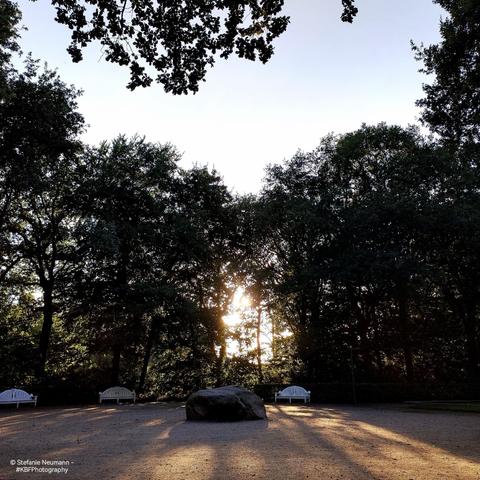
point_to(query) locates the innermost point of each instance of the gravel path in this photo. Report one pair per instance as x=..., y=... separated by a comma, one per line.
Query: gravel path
x=152, y=441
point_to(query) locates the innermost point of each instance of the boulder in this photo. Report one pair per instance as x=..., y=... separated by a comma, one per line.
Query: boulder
x=226, y=404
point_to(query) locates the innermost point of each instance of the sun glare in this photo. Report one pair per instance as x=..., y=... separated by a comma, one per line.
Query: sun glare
x=232, y=320
x=241, y=310
x=240, y=303
x=240, y=299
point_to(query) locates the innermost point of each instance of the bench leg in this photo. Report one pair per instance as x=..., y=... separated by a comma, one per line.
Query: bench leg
x=17, y=404
x=290, y=400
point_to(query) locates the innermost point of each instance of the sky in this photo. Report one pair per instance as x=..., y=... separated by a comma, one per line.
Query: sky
x=325, y=76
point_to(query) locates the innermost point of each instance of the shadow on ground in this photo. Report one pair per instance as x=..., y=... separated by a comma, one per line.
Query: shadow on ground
x=153, y=441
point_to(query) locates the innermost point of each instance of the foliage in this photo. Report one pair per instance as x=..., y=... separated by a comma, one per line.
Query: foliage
x=178, y=40
x=38, y=145
x=360, y=258
x=18, y=325
x=451, y=106
x=348, y=237
x=9, y=33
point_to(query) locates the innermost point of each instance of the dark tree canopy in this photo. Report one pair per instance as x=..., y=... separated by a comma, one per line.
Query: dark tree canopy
x=117, y=266
x=39, y=128
x=9, y=19
x=452, y=101
x=177, y=39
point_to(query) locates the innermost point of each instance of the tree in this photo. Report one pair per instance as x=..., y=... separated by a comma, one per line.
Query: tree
x=151, y=278
x=177, y=39
x=346, y=231
x=18, y=313
x=382, y=229
x=455, y=245
x=127, y=246
x=39, y=125
x=9, y=19
x=9, y=32
x=452, y=111
x=254, y=272
x=452, y=101
x=206, y=226
x=298, y=201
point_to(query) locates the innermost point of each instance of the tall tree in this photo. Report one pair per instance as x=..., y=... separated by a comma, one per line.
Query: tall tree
x=452, y=111
x=345, y=225
x=382, y=228
x=126, y=198
x=9, y=19
x=9, y=32
x=451, y=106
x=205, y=209
x=297, y=207
x=40, y=125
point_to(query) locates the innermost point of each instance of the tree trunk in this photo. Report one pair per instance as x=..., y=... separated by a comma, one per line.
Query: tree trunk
x=259, y=346
x=473, y=357
x=405, y=331
x=148, y=350
x=46, y=329
x=360, y=307
x=120, y=318
x=221, y=362
x=116, y=363
x=274, y=333
x=218, y=339
x=465, y=309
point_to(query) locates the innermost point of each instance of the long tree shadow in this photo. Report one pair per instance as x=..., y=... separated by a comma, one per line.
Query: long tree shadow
x=452, y=432
x=379, y=437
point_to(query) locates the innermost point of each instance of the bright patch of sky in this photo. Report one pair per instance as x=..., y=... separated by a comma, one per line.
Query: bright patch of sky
x=325, y=76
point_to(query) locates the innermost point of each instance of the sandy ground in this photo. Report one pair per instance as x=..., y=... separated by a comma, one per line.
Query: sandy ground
x=153, y=441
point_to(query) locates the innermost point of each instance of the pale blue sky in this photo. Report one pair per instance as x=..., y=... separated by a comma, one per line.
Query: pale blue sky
x=325, y=76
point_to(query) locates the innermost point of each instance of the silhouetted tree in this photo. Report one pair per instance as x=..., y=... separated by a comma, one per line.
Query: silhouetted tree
x=346, y=227
x=177, y=40
x=39, y=144
x=9, y=33
x=452, y=111
x=451, y=106
x=125, y=241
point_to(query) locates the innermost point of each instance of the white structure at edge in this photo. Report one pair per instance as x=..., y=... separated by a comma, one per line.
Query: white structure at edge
x=15, y=396
x=117, y=393
x=293, y=393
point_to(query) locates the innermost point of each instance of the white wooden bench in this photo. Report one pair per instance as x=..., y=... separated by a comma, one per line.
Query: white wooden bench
x=16, y=396
x=117, y=393
x=293, y=393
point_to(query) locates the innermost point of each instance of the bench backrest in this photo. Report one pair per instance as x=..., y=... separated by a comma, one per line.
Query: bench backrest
x=294, y=391
x=14, y=394
x=117, y=392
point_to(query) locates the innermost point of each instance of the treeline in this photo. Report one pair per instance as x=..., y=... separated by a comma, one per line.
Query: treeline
x=118, y=266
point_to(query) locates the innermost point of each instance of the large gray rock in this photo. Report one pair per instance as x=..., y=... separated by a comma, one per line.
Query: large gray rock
x=229, y=403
